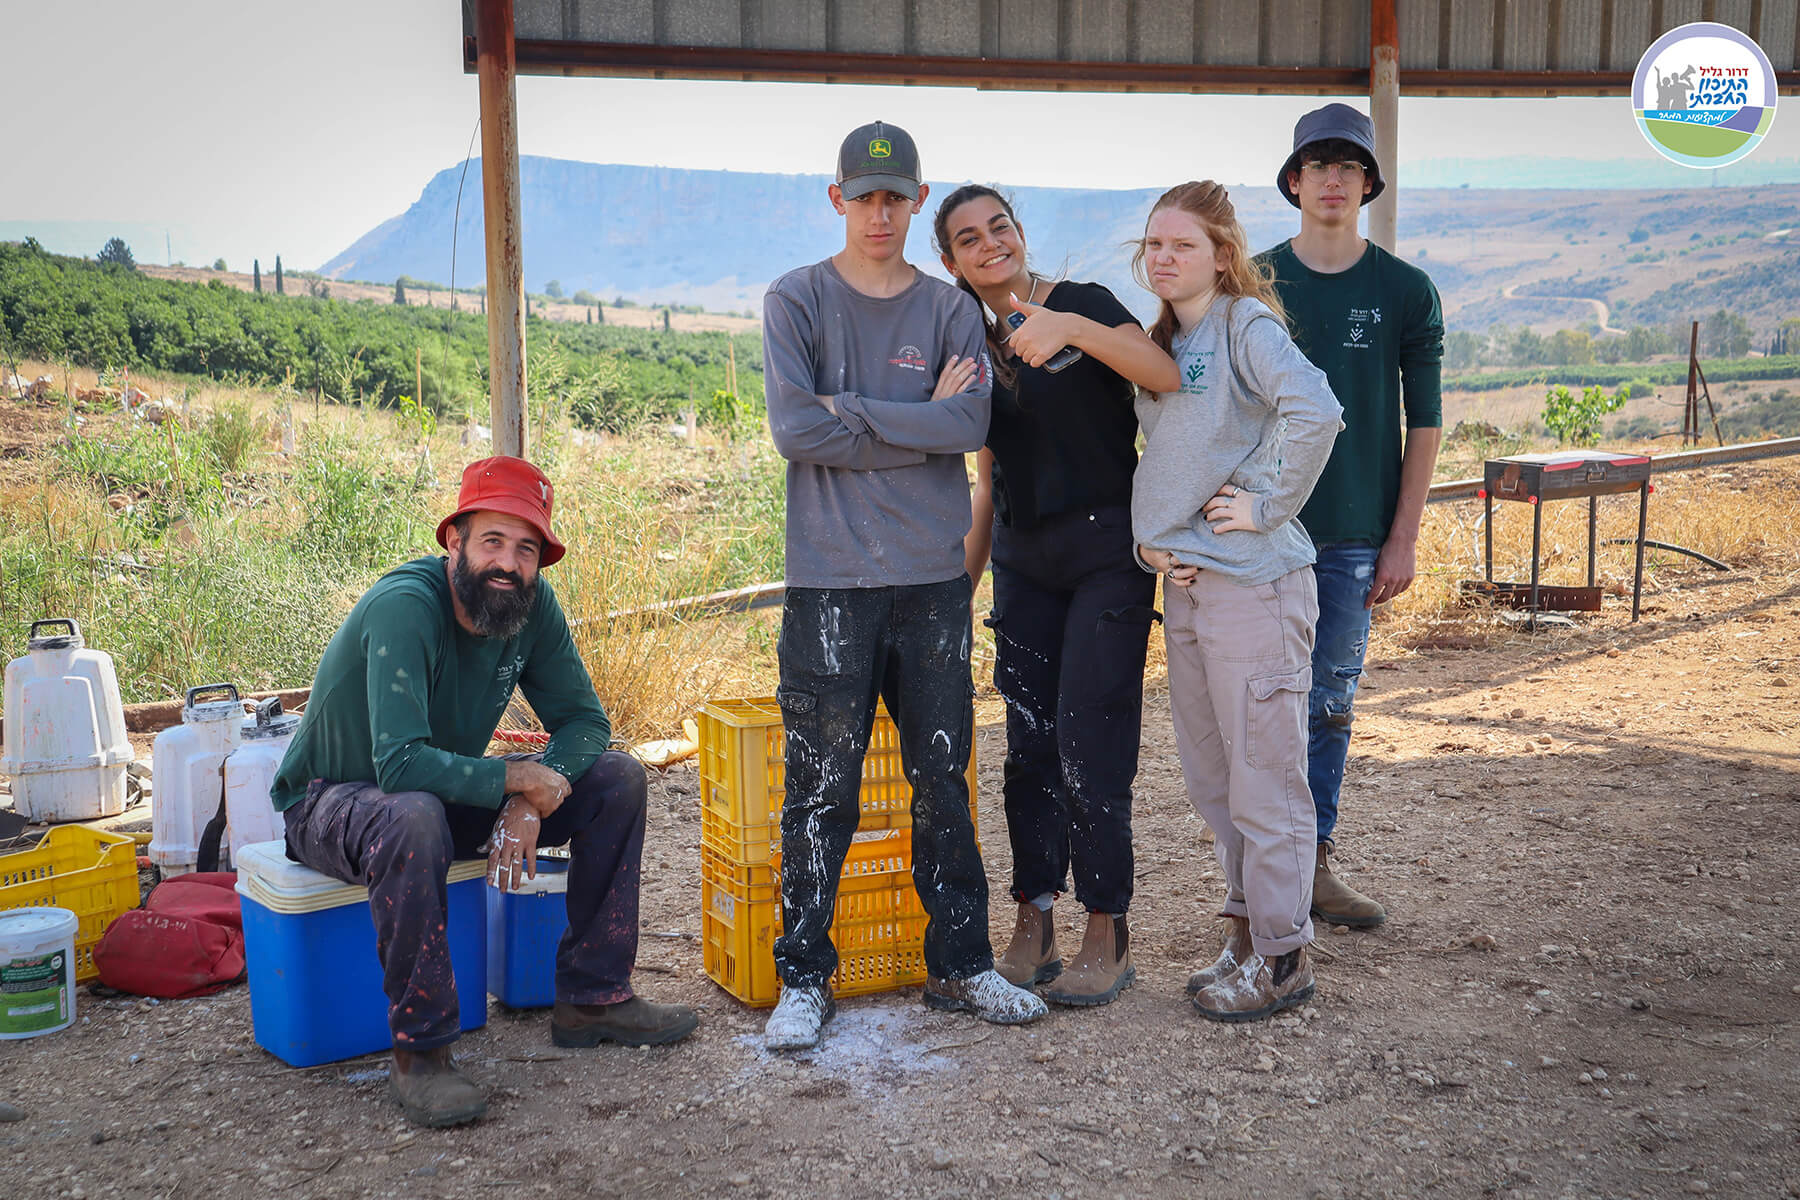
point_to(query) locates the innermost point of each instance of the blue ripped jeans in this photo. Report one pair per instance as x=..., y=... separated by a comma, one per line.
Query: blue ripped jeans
x=1346, y=572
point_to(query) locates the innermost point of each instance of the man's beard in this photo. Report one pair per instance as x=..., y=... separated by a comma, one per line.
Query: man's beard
x=494, y=613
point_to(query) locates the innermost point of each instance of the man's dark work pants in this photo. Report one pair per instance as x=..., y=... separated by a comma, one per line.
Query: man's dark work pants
x=400, y=846
x=840, y=650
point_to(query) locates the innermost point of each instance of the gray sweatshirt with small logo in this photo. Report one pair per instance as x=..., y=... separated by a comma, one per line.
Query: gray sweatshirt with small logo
x=877, y=493
x=1266, y=427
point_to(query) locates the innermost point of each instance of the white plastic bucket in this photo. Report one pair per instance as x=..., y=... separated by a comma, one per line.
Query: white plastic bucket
x=250, y=815
x=37, y=971
x=66, y=749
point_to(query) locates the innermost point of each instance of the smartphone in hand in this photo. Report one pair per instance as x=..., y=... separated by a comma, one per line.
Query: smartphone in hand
x=1057, y=361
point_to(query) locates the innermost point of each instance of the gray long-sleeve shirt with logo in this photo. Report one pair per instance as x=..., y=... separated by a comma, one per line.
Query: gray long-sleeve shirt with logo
x=1266, y=427
x=877, y=493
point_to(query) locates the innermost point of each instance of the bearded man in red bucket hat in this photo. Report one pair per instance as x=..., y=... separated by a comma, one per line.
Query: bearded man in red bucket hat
x=386, y=782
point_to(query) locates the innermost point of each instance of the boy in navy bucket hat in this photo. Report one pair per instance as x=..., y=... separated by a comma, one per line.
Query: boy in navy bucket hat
x=387, y=781
x=1375, y=326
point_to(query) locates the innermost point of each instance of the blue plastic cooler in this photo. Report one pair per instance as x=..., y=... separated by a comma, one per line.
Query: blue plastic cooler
x=523, y=929
x=315, y=980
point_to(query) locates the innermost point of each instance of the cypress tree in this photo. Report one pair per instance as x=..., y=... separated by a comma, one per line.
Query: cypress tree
x=665, y=320
x=599, y=315
x=278, y=288
x=256, y=275
x=400, y=290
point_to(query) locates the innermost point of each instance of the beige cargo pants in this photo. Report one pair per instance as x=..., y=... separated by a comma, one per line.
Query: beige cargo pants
x=1240, y=670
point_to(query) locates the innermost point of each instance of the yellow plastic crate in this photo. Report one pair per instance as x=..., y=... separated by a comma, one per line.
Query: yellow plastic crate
x=742, y=773
x=878, y=929
x=90, y=873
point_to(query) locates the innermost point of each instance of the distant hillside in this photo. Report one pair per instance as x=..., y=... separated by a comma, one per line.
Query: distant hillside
x=717, y=238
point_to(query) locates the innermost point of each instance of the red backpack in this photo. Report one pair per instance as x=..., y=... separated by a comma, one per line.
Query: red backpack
x=187, y=940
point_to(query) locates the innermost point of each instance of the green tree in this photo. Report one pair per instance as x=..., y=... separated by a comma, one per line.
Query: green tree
x=278, y=287
x=1569, y=348
x=400, y=290
x=585, y=297
x=665, y=319
x=599, y=315
x=553, y=289
x=1725, y=335
x=219, y=265
x=116, y=253
x=1576, y=419
x=1787, y=337
x=256, y=275
x=1525, y=346
x=1464, y=350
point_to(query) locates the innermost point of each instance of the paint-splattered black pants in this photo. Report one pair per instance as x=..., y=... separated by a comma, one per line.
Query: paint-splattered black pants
x=400, y=846
x=840, y=650
x=1072, y=613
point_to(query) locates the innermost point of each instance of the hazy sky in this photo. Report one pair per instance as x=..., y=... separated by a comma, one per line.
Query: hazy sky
x=249, y=128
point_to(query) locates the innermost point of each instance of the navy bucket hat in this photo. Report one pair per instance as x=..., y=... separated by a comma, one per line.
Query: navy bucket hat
x=1323, y=124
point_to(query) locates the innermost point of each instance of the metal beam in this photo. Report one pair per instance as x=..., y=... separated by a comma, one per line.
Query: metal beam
x=1384, y=112
x=552, y=57
x=495, y=65
x=1661, y=464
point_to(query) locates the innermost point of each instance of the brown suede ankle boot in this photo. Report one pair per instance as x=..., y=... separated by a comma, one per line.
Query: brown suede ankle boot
x=1234, y=948
x=1336, y=902
x=1031, y=956
x=1103, y=967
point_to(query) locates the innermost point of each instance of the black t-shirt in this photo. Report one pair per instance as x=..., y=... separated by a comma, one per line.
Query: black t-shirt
x=1066, y=441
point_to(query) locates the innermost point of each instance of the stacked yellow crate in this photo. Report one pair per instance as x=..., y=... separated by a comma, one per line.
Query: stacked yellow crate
x=879, y=926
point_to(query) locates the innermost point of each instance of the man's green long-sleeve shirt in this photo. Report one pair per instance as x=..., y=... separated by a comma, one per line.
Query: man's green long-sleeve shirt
x=407, y=699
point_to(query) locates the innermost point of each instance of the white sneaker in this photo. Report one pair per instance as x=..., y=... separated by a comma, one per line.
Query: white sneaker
x=987, y=995
x=794, y=1025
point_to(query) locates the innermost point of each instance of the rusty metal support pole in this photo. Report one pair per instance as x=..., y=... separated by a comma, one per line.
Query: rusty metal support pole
x=1384, y=111
x=495, y=69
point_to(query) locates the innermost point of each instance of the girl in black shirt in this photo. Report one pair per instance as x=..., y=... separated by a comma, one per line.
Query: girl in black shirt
x=1072, y=607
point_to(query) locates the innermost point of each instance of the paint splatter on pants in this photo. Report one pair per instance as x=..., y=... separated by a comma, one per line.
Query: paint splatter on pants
x=400, y=846
x=840, y=650
x=1072, y=614
x=1346, y=572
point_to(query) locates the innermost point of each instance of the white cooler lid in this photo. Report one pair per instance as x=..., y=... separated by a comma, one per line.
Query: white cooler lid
x=268, y=876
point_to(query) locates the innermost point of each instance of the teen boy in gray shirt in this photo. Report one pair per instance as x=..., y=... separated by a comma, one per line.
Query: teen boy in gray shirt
x=877, y=383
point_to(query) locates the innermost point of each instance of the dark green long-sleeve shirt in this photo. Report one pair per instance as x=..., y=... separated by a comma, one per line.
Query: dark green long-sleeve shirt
x=407, y=699
x=1377, y=331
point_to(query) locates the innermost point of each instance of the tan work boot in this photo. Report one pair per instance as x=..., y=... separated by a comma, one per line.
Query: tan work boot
x=431, y=1090
x=1102, y=969
x=1031, y=956
x=1336, y=902
x=1261, y=987
x=1234, y=948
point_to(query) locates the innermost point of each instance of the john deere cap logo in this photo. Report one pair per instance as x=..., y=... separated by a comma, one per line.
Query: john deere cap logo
x=880, y=148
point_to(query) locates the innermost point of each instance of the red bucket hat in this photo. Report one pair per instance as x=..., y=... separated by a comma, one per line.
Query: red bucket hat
x=511, y=486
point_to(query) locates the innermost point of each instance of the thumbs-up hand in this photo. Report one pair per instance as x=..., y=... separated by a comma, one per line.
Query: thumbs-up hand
x=1040, y=331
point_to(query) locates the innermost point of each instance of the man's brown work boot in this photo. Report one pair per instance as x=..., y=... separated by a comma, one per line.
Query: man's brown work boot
x=1031, y=956
x=1261, y=987
x=1102, y=969
x=431, y=1090
x=1336, y=902
x=1234, y=948
x=633, y=1022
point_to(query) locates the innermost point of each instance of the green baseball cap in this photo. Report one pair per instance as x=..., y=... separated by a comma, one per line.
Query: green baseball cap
x=878, y=157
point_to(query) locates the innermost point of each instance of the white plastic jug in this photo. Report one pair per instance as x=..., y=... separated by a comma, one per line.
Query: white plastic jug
x=66, y=749
x=250, y=816
x=187, y=774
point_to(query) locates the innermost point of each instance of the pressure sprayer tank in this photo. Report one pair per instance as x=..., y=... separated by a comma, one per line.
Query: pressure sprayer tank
x=187, y=773
x=249, y=774
x=66, y=749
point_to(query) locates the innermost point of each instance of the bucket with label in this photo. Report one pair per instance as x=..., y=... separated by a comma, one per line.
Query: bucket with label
x=66, y=749
x=37, y=971
x=187, y=771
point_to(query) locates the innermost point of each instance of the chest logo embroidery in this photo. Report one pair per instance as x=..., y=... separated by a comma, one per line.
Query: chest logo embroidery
x=912, y=358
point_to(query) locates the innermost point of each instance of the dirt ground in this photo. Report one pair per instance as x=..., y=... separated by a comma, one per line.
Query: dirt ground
x=1585, y=841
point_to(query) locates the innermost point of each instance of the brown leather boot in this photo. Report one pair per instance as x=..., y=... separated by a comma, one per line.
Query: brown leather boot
x=1031, y=956
x=1336, y=902
x=431, y=1090
x=1102, y=969
x=1234, y=948
x=633, y=1022
x=1261, y=987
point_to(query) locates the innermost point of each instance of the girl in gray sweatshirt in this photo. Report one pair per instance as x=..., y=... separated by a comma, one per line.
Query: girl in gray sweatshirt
x=1229, y=458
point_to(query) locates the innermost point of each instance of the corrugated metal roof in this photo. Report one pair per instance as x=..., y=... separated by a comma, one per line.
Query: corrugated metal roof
x=1447, y=47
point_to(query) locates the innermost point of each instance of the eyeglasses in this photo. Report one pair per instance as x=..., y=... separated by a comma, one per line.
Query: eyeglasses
x=1349, y=170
